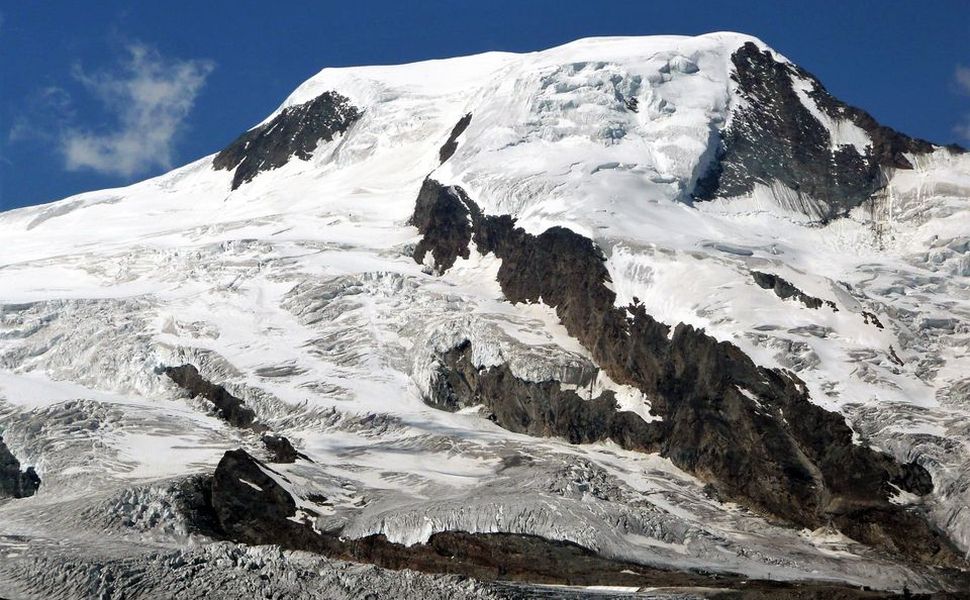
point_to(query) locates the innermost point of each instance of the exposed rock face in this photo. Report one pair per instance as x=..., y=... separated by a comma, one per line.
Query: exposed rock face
x=540, y=409
x=441, y=214
x=871, y=319
x=752, y=432
x=774, y=137
x=15, y=483
x=296, y=131
x=281, y=449
x=449, y=147
x=251, y=507
x=229, y=407
x=784, y=289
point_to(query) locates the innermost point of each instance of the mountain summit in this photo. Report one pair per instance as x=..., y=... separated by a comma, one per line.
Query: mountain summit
x=637, y=312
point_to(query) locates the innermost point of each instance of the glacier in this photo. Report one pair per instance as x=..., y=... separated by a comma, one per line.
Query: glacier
x=297, y=291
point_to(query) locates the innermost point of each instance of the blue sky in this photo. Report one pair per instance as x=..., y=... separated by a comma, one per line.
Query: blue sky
x=101, y=94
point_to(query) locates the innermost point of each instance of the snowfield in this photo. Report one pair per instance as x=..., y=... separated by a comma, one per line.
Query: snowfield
x=298, y=293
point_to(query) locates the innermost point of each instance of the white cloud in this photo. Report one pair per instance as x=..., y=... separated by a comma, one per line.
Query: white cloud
x=963, y=129
x=150, y=96
x=962, y=78
x=47, y=112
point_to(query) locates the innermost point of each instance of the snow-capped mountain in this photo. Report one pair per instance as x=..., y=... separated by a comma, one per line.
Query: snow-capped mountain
x=652, y=311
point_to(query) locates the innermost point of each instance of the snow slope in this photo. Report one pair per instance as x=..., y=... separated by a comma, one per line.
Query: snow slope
x=298, y=292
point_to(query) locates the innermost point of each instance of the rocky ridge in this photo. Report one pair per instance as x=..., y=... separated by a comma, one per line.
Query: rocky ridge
x=751, y=432
x=14, y=482
x=776, y=138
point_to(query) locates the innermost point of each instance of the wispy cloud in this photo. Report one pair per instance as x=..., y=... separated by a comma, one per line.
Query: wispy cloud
x=961, y=77
x=149, y=98
x=963, y=129
x=48, y=112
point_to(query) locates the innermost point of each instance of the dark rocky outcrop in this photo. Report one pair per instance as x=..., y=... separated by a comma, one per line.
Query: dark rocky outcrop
x=296, y=131
x=442, y=216
x=230, y=408
x=449, y=147
x=784, y=289
x=751, y=432
x=870, y=318
x=775, y=137
x=540, y=409
x=895, y=357
x=15, y=483
x=281, y=450
x=251, y=507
